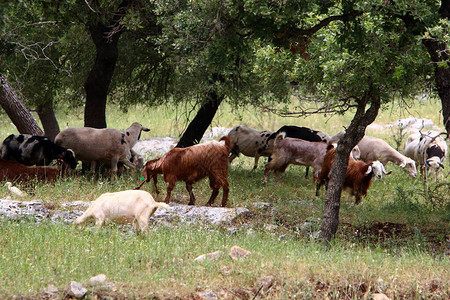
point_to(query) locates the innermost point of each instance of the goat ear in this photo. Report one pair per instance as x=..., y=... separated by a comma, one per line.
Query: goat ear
x=387, y=173
x=369, y=170
x=441, y=165
x=403, y=164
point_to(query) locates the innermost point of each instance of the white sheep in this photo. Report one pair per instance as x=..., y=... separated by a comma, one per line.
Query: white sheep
x=130, y=206
x=373, y=149
x=429, y=150
x=107, y=145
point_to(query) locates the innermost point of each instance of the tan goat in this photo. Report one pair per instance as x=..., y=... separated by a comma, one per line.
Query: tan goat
x=131, y=206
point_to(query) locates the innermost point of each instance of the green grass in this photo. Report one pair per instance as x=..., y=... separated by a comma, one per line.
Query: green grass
x=35, y=256
x=405, y=257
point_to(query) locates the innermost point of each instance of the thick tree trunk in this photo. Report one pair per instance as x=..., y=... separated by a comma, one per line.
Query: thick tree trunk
x=202, y=120
x=106, y=39
x=48, y=119
x=16, y=110
x=439, y=55
x=99, y=78
x=353, y=135
x=440, y=58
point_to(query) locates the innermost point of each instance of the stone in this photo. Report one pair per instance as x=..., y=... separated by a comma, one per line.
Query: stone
x=51, y=289
x=237, y=252
x=265, y=283
x=76, y=289
x=210, y=256
x=205, y=295
x=98, y=280
x=262, y=205
x=225, y=270
x=380, y=296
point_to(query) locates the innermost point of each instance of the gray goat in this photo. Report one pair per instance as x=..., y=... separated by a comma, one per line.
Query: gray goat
x=107, y=145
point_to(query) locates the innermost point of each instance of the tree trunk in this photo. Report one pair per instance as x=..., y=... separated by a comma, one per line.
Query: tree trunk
x=353, y=135
x=99, y=78
x=16, y=110
x=48, y=119
x=439, y=55
x=106, y=39
x=202, y=120
x=440, y=58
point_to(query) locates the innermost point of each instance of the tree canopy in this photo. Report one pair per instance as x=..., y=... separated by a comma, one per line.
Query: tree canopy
x=334, y=56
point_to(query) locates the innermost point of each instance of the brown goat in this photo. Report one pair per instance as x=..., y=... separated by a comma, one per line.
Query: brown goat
x=358, y=176
x=190, y=165
x=14, y=171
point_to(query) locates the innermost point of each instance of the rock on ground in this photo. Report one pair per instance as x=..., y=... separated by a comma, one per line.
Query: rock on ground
x=16, y=210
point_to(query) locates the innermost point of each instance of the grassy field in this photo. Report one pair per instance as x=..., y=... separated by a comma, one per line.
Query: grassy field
x=394, y=242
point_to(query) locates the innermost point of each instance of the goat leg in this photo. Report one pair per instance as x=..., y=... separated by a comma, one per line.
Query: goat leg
x=155, y=183
x=191, y=194
x=170, y=187
x=213, y=197
x=225, y=197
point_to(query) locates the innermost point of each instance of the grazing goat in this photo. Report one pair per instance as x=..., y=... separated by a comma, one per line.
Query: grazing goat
x=190, y=165
x=358, y=176
x=14, y=171
x=35, y=150
x=297, y=132
x=247, y=141
x=132, y=206
x=373, y=149
x=429, y=150
x=288, y=151
x=107, y=145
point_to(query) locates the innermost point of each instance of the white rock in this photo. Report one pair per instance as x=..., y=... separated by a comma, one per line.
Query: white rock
x=98, y=280
x=76, y=290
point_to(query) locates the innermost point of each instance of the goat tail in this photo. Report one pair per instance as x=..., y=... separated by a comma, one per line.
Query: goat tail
x=163, y=205
x=279, y=137
x=227, y=141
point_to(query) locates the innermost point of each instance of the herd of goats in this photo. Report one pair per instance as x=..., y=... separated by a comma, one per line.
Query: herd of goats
x=27, y=157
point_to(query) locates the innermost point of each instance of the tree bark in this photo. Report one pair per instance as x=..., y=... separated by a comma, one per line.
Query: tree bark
x=439, y=55
x=16, y=110
x=440, y=58
x=201, y=121
x=354, y=133
x=106, y=39
x=48, y=119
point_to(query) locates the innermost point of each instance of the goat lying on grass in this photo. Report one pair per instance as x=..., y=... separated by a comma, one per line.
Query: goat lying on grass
x=131, y=206
x=190, y=165
x=14, y=171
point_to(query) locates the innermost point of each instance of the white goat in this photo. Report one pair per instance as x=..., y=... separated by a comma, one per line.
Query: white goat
x=247, y=141
x=131, y=206
x=429, y=150
x=378, y=170
x=107, y=145
x=373, y=149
